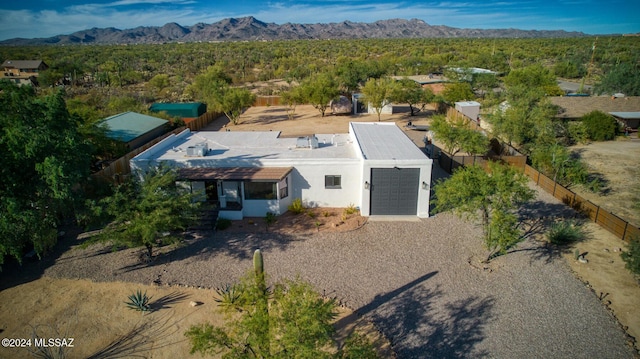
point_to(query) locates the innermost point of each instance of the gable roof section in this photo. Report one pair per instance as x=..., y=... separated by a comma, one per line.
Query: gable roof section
x=385, y=141
x=186, y=109
x=576, y=107
x=22, y=64
x=127, y=126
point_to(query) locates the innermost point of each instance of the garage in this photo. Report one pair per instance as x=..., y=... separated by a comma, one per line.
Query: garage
x=394, y=191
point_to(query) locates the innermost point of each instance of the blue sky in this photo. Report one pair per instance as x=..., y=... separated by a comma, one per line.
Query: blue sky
x=45, y=18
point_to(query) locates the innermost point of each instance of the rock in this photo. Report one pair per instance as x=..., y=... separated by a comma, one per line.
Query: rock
x=194, y=303
x=617, y=249
x=606, y=250
x=583, y=260
x=341, y=106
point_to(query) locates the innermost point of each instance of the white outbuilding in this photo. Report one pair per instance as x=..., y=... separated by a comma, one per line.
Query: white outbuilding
x=375, y=167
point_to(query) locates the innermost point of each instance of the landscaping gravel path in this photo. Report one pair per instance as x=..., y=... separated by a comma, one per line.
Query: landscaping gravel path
x=412, y=279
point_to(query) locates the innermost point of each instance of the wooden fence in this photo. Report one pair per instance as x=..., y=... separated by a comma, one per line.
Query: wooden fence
x=119, y=170
x=607, y=220
x=267, y=101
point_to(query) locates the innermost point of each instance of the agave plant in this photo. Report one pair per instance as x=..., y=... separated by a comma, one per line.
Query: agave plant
x=229, y=295
x=139, y=301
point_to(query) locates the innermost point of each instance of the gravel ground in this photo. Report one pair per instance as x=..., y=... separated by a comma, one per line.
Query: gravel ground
x=419, y=282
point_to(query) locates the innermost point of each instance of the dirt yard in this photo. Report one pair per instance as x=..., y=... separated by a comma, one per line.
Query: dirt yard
x=618, y=163
x=102, y=325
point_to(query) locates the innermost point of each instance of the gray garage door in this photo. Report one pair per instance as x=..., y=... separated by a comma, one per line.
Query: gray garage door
x=394, y=191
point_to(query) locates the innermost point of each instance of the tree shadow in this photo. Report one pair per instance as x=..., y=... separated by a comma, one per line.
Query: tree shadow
x=167, y=300
x=150, y=333
x=203, y=245
x=419, y=324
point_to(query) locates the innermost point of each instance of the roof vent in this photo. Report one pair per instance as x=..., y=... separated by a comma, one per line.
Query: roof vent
x=307, y=142
x=198, y=150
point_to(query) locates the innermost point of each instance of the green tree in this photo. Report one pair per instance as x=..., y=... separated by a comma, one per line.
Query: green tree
x=232, y=101
x=457, y=136
x=623, y=77
x=296, y=323
x=492, y=196
x=458, y=91
x=600, y=126
x=378, y=92
x=525, y=118
x=319, y=90
x=410, y=92
x=145, y=212
x=534, y=76
x=292, y=98
x=44, y=161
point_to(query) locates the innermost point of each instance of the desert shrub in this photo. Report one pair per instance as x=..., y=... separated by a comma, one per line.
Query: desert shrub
x=577, y=132
x=296, y=206
x=357, y=346
x=270, y=218
x=565, y=232
x=311, y=214
x=139, y=301
x=600, y=126
x=351, y=209
x=222, y=224
x=631, y=256
x=326, y=214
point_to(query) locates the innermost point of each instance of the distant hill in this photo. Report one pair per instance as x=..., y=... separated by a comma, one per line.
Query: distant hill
x=250, y=28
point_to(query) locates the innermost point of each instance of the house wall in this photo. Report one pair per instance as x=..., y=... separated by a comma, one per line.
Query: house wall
x=308, y=183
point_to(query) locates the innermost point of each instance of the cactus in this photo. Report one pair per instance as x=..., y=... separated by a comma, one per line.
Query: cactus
x=258, y=265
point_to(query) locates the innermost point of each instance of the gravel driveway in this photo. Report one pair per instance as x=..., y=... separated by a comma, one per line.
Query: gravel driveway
x=412, y=279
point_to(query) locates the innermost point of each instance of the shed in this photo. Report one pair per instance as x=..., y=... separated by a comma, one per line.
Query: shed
x=134, y=129
x=470, y=109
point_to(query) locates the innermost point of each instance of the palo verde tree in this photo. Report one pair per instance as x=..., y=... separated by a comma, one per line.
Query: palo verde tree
x=456, y=136
x=378, y=93
x=492, y=196
x=319, y=90
x=410, y=92
x=213, y=87
x=292, y=98
x=44, y=159
x=289, y=321
x=146, y=212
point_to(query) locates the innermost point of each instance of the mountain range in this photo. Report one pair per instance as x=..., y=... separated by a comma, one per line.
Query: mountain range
x=250, y=28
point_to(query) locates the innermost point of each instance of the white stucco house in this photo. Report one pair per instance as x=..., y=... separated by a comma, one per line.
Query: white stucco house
x=375, y=167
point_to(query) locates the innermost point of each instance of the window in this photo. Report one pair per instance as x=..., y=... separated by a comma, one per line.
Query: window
x=284, y=188
x=260, y=190
x=332, y=182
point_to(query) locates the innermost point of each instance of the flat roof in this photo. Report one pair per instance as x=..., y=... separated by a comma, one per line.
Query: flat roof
x=127, y=126
x=235, y=173
x=250, y=147
x=385, y=141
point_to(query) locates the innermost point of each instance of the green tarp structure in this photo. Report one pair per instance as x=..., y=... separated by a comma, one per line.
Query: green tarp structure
x=182, y=110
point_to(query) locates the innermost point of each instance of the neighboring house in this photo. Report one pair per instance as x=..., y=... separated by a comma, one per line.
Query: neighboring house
x=187, y=111
x=434, y=81
x=23, y=72
x=625, y=109
x=375, y=167
x=134, y=129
